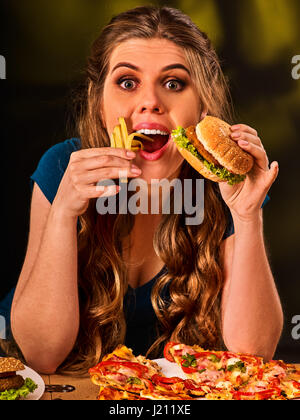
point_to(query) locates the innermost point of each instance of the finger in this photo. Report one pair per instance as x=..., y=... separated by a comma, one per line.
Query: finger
x=257, y=152
x=94, y=176
x=103, y=151
x=108, y=191
x=104, y=161
x=273, y=173
x=243, y=127
x=97, y=191
x=251, y=138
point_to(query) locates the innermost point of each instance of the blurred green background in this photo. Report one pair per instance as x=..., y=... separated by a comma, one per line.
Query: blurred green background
x=45, y=46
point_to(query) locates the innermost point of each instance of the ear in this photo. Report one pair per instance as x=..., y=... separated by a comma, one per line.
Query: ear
x=203, y=114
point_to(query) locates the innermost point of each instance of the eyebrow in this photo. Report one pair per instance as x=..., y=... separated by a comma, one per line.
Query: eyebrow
x=166, y=68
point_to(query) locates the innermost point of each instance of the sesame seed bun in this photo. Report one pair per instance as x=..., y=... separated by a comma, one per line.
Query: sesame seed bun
x=10, y=364
x=214, y=134
x=208, y=148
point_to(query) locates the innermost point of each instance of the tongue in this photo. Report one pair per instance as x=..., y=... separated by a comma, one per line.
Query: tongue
x=158, y=143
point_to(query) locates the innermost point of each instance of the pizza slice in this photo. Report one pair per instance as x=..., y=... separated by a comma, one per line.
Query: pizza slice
x=121, y=375
x=186, y=388
x=110, y=393
x=217, y=369
x=258, y=392
x=201, y=366
x=157, y=394
x=123, y=371
x=215, y=375
x=123, y=353
x=285, y=377
x=290, y=389
x=241, y=368
x=219, y=394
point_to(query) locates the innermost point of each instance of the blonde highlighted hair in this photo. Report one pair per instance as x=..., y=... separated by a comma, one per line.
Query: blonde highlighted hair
x=191, y=253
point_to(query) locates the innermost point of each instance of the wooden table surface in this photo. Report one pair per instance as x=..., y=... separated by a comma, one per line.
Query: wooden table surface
x=84, y=388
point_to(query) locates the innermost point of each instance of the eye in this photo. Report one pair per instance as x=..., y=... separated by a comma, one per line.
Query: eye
x=175, y=84
x=127, y=84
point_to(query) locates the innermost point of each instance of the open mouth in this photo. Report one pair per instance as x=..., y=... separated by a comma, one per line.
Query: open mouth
x=160, y=138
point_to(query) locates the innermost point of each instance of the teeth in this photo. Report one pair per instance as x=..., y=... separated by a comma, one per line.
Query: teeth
x=146, y=131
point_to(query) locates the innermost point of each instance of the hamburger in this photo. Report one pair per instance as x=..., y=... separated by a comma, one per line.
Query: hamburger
x=208, y=148
x=12, y=385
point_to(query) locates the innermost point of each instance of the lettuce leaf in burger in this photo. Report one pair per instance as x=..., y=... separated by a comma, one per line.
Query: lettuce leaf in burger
x=12, y=385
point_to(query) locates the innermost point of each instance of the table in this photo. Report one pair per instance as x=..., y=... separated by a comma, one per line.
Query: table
x=84, y=388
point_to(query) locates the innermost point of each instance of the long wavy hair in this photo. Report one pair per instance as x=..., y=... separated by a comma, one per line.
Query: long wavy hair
x=190, y=253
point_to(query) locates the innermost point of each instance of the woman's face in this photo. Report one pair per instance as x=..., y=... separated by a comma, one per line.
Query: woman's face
x=149, y=84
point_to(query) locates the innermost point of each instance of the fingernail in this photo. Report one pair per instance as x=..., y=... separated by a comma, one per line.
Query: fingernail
x=235, y=135
x=131, y=154
x=244, y=143
x=135, y=170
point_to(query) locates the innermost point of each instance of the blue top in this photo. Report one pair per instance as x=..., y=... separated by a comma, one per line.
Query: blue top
x=139, y=313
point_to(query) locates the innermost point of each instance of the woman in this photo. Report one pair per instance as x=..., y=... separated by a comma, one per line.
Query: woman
x=85, y=284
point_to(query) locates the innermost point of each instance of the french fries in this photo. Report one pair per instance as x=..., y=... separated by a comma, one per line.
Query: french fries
x=119, y=138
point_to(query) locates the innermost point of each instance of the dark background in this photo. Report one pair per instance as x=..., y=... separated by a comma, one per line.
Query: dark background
x=45, y=44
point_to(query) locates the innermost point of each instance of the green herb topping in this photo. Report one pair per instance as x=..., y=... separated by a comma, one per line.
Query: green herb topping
x=134, y=380
x=189, y=360
x=237, y=366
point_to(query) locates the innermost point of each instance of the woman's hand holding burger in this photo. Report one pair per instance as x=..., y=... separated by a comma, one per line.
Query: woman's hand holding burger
x=245, y=199
x=234, y=157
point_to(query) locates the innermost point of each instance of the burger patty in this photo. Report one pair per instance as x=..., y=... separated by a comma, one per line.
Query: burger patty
x=12, y=382
x=192, y=136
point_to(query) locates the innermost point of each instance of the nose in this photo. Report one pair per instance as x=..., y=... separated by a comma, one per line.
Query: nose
x=150, y=102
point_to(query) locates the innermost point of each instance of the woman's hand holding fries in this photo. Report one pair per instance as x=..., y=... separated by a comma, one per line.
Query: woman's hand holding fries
x=86, y=168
